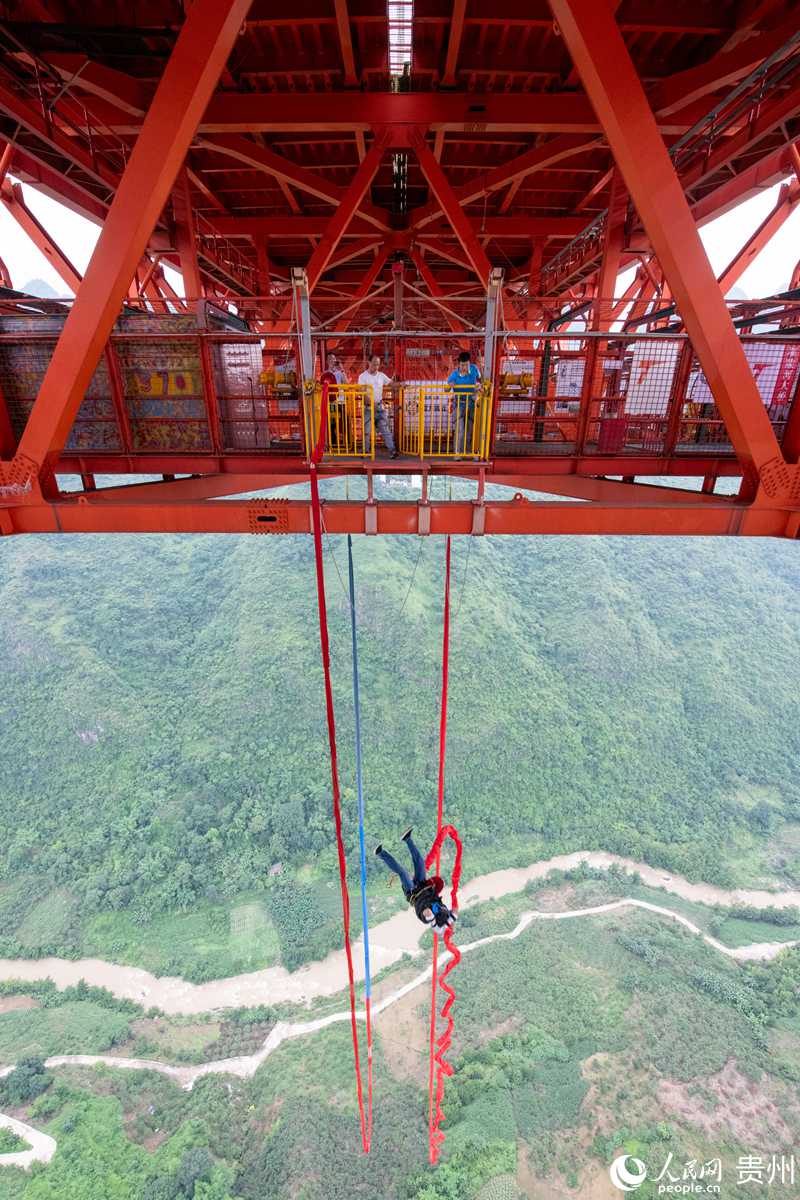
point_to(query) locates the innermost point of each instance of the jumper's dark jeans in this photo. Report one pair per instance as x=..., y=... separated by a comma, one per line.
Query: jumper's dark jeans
x=394, y=865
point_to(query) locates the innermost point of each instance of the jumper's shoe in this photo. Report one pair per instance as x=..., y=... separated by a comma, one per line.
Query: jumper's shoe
x=378, y=848
x=394, y=454
x=408, y=833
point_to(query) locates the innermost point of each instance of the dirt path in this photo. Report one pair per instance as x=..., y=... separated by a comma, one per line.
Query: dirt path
x=389, y=941
x=286, y=1031
x=42, y=1146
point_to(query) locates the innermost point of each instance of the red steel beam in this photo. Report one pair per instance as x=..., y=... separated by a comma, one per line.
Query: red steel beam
x=445, y=250
x=13, y=202
x=50, y=182
x=131, y=95
x=245, y=150
x=597, y=187
x=200, y=53
x=167, y=463
x=454, y=43
x=263, y=267
x=50, y=135
x=433, y=287
x=346, y=210
x=748, y=182
x=338, y=112
x=723, y=69
x=289, y=173
x=195, y=487
x=449, y=204
x=185, y=238
x=610, y=80
x=362, y=291
x=346, y=43
x=495, y=227
x=784, y=207
x=590, y=487
x=517, y=516
x=347, y=251
x=771, y=115
x=547, y=155
x=5, y=160
x=613, y=241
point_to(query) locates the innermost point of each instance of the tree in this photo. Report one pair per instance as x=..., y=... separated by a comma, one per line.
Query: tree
x=27, y=1081
x=196, y=1164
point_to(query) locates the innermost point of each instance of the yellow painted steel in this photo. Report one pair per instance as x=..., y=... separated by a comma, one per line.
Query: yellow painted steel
x=349, y=414
x=435, y=420
x=432, y=420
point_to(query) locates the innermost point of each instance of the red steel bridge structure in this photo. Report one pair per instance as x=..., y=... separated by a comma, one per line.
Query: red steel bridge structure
x=408, y=178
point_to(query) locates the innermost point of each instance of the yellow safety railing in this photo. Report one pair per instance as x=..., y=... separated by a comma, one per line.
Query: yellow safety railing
x=349, y=420
x=438, y=420
x=432, y=420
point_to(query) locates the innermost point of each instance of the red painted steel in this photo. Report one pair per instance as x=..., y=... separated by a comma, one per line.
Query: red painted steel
x=189, y=79
x=523, y=160
x=608, y=74
x=13, y=202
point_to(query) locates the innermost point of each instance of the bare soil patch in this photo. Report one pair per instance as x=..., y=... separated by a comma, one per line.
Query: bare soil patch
x=764, y=1113
x=403, y=1030
x=15, y=1003
x=554, y=899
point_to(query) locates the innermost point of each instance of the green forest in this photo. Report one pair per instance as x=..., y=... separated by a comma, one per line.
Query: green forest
x=575, y=1042
x=164, y=745
x=165, y=802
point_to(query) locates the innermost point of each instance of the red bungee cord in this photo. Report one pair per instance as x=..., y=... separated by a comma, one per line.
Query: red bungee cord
x=439, y=1066
x=316, y=511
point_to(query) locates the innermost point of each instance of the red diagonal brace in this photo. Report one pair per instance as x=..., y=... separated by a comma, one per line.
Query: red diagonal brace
x=194, y=67
x=13, y=202
x=454, y=43
x=749, y=252
x=448, y=202
x=346, y=43
x=185, y=237
x=347, y=209
x=362, y=291
x=610, y=79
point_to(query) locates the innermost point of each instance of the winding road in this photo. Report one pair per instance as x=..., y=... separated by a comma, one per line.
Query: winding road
x=42, y=1146
x=389, y=941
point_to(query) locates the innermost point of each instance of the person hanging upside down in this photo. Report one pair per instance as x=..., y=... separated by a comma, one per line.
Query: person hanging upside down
x=423, y=893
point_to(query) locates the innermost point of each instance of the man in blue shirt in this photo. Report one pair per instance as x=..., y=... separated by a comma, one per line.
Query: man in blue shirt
x=464, y=382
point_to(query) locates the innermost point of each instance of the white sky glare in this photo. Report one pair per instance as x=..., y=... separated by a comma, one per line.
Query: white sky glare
x=76, y=237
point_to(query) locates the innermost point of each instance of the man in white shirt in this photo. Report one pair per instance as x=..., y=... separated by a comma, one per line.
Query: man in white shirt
x=335, y=369
x=373, y=377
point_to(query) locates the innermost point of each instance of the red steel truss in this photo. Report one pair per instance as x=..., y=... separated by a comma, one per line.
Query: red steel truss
x=562, y=141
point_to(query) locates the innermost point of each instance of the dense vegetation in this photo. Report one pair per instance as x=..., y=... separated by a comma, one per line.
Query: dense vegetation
x=163, y=738
x=163, y=751
x=558, y=1068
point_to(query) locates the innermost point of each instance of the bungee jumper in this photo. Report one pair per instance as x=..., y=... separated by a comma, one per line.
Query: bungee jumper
x=420, y=891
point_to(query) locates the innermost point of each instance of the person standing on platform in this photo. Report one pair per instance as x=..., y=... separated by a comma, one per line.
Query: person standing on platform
x=374, y=378
x=334, y=376
x=464, y=382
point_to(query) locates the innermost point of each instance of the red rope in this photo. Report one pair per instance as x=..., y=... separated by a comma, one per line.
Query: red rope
x=316, y=511
x=440, y=1047
x=439, y=1066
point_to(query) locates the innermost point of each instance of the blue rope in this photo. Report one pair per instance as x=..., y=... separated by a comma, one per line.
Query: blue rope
x=359, y=781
